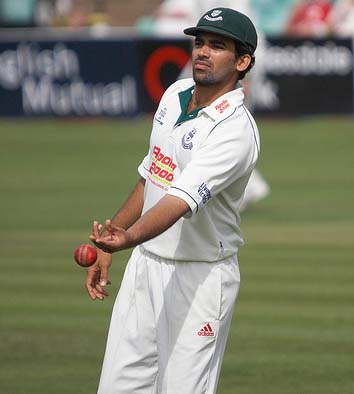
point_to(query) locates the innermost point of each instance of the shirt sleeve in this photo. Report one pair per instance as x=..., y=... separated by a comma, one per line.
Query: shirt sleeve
x=225, y=156
x=143, y=168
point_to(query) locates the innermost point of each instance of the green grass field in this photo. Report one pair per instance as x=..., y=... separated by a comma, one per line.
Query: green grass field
x=293, y=330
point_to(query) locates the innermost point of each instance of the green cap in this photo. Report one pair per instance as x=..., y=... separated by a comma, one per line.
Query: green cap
x=229, y=23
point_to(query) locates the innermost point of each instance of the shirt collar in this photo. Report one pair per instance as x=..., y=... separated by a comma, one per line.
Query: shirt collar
x=218, y=109
x=184, y=99
x=225, y=104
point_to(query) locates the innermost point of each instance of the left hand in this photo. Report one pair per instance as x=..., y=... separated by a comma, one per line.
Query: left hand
x=97, y=276
x=112, y=239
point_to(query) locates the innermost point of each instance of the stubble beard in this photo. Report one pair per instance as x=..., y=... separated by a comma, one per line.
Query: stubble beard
x=206, y=79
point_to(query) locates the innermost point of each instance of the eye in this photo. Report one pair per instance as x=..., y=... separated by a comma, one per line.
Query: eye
x=218, y=45
x=198, y=42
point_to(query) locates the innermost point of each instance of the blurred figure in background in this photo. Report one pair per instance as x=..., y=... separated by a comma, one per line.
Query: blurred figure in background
x=272, y=15
x=79, y=13
x=341, y=18
x=50, y=12
x=19, y=13
x=309, y=18
x=171, y=17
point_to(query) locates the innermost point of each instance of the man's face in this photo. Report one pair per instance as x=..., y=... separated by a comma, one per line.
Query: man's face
x=213, y=59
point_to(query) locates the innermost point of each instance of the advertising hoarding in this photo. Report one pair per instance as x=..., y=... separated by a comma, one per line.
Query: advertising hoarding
x=126, y=77
x=68, y=78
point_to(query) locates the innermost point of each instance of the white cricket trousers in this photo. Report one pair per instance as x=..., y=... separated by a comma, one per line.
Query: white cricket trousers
x=169, y=326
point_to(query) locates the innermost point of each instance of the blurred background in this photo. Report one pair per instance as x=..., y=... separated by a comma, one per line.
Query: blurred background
x=79, y=83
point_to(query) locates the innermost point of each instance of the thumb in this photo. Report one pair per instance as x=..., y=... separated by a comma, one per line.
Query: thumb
x=104, y=276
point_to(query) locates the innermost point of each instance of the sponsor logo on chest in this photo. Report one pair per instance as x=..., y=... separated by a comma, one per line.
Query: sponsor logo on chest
x=161, y=169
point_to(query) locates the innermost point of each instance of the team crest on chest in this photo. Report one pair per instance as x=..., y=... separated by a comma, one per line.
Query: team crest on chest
x=187, y=139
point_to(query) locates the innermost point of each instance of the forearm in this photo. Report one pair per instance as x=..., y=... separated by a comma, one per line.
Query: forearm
x=153, y=223
x=131, y=210
x=157, y=219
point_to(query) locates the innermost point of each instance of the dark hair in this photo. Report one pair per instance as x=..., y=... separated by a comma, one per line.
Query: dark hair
x=240, y=50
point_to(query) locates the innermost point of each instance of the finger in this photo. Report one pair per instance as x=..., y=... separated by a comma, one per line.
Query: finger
x=91, y=292
x=102, y=290
x=95, y=231
x=107, y=243
x=104, y=276
x=108, y=240
x=112, y=227
x=92, y=276
x=108, y=283
x=107, y=224
x=100, y=294
x=96, y=292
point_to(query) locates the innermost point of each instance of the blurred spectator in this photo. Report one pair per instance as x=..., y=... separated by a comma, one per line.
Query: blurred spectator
x=78, y=13
x=48, y=11
x=272, y=15
x=341, y=18
x=172, y=16
x=35, y=13
x=309, y=18
x=19, y=13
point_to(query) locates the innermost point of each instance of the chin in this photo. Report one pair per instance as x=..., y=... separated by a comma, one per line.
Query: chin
x=203, y=80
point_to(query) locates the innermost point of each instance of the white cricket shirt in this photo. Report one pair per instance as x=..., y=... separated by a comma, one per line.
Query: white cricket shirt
x=206, y=159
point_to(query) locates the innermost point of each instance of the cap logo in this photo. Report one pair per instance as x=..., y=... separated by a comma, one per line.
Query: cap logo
x=214, y=16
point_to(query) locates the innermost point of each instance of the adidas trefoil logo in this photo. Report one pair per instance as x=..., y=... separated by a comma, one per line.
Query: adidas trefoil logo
x=206, y=331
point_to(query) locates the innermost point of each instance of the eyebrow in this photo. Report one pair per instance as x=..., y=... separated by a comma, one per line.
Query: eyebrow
x=211, y=40
x=217, y=41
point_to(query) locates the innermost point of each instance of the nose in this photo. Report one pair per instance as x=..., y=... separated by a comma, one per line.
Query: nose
x=204, y=51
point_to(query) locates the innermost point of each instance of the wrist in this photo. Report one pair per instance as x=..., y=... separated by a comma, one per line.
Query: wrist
x=102, y=253
x=132, y=238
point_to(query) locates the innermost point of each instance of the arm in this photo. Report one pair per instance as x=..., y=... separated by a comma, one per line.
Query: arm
x=131, y=210
x=153, y=223
x=97, y=275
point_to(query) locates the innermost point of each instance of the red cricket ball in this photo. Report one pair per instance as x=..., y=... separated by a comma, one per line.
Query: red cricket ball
x=85, y=255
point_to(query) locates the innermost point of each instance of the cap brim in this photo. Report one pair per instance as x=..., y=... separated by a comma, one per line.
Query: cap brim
x=193, y=31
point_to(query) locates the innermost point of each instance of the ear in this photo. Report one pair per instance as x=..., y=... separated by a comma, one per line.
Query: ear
x=242, y=62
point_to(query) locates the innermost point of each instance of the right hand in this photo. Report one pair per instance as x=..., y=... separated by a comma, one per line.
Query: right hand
x=112, y=239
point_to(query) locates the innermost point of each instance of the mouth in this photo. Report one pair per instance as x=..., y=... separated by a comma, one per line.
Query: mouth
x=201, y=65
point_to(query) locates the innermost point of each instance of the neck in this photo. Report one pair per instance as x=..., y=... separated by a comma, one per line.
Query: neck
x=204, y=95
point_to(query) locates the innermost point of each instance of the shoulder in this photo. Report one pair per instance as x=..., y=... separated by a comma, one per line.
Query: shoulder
x=238, y=127
x=226, y=106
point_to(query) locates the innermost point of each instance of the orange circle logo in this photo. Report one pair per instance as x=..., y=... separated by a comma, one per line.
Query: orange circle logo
x=161, y=56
